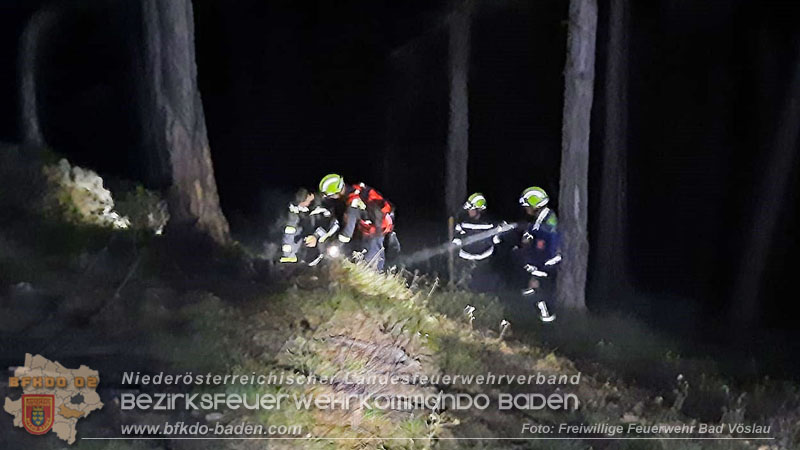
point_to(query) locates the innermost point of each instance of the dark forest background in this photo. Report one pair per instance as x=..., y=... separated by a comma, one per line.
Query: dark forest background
x=293, y=90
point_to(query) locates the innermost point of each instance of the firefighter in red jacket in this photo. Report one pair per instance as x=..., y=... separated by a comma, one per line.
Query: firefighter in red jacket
x=368, y=219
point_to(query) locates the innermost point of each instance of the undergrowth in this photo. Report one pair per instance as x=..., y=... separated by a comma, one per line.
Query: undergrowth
x=355, y=322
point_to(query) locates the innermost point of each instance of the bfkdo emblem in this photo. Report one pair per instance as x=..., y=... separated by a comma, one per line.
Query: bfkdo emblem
x=38, y=412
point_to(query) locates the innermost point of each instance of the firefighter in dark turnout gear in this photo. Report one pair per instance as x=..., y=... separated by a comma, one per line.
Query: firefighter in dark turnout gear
x=472, y=222
x=309, y=224
x=368, y=219
x=538, y=248
x=473, y=235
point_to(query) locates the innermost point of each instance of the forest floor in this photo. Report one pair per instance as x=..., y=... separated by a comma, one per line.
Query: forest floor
x=116, y=302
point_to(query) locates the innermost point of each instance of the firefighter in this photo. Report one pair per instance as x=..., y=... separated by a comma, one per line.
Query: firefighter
x=476, y=241
x=308, y=225
x=538, y=248
x=367, y=221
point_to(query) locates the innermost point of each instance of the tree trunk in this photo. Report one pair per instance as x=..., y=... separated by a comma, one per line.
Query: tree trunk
x=458, y=129
x=763, y=220
x=573, y=189
x=173, y=120
x=611, y=258
x=27, y=65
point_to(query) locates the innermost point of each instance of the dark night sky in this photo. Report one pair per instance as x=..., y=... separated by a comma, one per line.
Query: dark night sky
x=293, y=90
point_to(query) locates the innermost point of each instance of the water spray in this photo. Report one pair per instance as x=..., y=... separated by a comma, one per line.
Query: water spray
x=428, y=253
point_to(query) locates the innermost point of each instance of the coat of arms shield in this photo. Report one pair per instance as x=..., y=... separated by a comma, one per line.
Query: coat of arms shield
x=38, y=412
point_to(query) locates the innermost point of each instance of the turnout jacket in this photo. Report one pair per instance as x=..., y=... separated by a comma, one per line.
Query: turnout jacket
x=316, y=219
x=366, y=210
x=540, y=242
x=467, y=235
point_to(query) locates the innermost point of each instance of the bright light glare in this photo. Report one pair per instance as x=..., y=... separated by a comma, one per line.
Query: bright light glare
x=334, y=251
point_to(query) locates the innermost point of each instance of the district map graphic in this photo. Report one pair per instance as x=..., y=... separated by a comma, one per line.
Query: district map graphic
x=53, y=397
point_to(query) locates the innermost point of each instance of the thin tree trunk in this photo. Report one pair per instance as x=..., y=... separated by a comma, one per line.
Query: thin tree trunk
x=173, y=120
x=763, y=220
x=573, y=189
x=458, y=129
x=611, y=258
x=27, y=66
